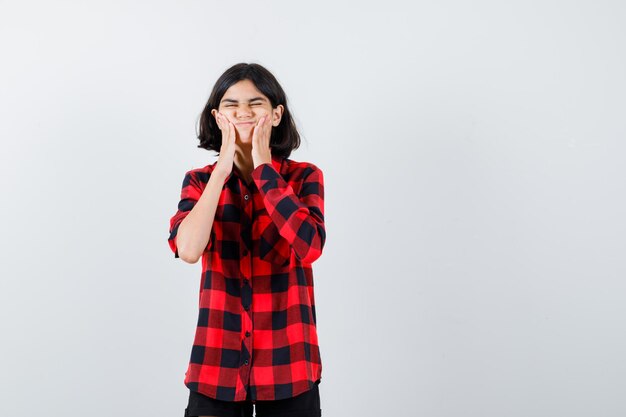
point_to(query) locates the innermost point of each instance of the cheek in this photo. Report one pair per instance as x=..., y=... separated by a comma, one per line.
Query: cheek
x=230, y=116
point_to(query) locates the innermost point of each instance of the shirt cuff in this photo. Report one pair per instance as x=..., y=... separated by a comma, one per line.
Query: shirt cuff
x=256, y=172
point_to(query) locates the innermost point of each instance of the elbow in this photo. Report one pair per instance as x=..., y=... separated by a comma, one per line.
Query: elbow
x=185, y=254
x=311, y=252
x=189, y=259
x=182, y=246
x=310, y=257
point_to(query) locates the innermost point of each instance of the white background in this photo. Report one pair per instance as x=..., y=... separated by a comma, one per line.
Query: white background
x=473, y=155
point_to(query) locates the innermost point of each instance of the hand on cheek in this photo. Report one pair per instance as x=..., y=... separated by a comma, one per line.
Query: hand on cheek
x=261, y=151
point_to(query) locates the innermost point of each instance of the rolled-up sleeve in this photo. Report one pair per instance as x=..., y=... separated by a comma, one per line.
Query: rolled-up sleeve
x=299, y=218
x=189, y=196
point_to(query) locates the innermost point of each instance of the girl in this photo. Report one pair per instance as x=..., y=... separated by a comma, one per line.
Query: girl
x=256, y=218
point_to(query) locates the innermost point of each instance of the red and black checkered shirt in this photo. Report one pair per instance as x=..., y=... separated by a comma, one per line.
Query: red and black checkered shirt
x=256, y=336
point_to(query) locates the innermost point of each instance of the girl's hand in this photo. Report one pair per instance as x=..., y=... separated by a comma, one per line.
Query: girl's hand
x=261, y=151
x=227, y=150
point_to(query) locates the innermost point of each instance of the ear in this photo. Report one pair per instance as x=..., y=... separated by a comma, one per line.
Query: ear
x=277, y=114
x=214, y=113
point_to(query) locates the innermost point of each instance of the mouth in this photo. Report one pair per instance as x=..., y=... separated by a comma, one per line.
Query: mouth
x=245, y=123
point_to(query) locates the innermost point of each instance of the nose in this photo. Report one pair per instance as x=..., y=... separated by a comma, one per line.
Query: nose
x=244, y=112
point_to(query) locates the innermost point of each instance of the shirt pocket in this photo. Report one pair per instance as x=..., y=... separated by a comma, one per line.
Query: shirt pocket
x=272, y=247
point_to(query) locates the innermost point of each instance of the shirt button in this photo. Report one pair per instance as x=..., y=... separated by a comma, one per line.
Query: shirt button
x=246, y=362
x=247, y=334
x=245, y=280
x=245, y=196
x=245, y=252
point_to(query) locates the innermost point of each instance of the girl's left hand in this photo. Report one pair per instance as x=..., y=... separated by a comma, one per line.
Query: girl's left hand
x=261, y=151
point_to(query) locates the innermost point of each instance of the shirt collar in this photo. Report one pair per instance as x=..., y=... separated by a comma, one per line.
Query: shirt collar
x=277, y=162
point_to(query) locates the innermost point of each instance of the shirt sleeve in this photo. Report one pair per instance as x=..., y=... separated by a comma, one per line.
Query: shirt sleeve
x=189, y=196
x=299, y=218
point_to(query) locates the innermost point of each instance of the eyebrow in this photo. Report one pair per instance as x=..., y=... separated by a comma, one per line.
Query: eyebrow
x=230, y=100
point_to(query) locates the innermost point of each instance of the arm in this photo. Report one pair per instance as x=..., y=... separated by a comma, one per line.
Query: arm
x=299, y=218
x=190, y=227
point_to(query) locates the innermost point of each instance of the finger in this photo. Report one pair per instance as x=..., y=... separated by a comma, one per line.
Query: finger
x=231, y=131
x=262, y=129
x=266, y=131
x=224, y=122
x=225, y=129
x=255, y=132
x=254, y=138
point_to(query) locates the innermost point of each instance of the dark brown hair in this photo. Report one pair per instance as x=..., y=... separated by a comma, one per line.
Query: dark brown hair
x=285, y=137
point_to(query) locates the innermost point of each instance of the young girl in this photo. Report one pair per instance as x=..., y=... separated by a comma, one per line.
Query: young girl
x=256, y=218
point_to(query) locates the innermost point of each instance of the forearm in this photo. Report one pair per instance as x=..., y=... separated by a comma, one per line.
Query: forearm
x=195, y=230
x=298, y=218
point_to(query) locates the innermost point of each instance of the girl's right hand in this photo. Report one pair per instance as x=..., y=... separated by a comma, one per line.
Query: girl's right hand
x=227, y=150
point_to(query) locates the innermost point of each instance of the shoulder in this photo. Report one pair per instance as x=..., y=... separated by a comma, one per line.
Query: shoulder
x=199, y=176
x=300, y=169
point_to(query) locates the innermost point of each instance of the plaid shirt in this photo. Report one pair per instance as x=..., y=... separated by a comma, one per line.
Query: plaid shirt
x=256, y=336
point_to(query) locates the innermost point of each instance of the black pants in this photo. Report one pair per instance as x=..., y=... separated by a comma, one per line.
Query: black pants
x=306, y=404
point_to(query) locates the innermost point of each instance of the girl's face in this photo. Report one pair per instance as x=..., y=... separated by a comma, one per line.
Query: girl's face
x=243, y=104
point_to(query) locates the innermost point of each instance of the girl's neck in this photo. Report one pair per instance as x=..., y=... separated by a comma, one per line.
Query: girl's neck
x=243, y=162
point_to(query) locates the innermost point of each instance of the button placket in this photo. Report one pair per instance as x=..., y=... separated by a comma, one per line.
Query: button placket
x=247, y=210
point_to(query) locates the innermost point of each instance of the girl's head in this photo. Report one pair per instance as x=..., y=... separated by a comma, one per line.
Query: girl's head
x=245, y=93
